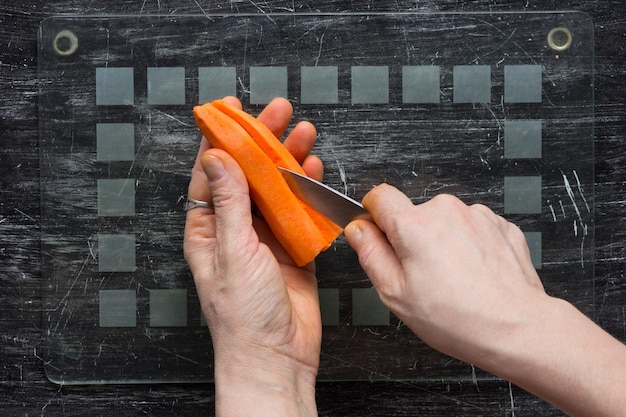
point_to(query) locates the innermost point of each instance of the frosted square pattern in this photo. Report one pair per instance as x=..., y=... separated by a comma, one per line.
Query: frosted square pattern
x=216, y=82
x=420, y=84
x=522, y=195
x=370, y=85
x=522, y=83
x=319, y=85
x=118, y=308
x=168, y=308
x=116, y=253
x=166, y=86
x=116, y=197
x=522, y=139
x=115, y=86
x=115, y=141
x=367, y=308
x=472, y=84
x=267, y=83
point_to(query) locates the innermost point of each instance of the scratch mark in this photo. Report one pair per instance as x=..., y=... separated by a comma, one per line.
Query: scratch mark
x=172, y=117
x=486, y=106
x=179, y=356
x=512, y=400
x=580, y=191
x=95, y=360
x=319, y=51
x=474, y=379
x=43, y=409
x=403, y=382
x=200, y=7
x=570, y=193
x=552, y=211
x=25, y=215
x=106, y=59
x=73, y=284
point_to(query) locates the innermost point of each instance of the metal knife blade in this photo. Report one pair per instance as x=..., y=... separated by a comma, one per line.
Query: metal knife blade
x=338, y=207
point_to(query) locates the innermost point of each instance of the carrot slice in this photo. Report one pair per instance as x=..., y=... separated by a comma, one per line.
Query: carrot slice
x=289, y=218
x=279, y=155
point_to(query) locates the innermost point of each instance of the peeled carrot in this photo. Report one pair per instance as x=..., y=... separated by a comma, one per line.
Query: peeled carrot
x=301, y=230
x=279, y=155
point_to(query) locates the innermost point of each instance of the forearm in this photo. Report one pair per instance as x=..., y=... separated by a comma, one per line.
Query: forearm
x=263, y=387
x=569, y=361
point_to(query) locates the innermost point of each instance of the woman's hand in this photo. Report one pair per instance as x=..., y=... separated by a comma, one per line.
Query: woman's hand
x=462, y=279
x=262, y=310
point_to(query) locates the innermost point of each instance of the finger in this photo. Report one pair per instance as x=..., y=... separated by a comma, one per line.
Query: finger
x=313, y=167
x=301, y=140
x=231, y=201
x=376, y=256
x=276, y=116
x=233, y=101
x=199, y=189
x=199, y=225
x=388, y=206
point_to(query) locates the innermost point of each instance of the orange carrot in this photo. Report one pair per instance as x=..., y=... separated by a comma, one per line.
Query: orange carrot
x=302, y=234
x=279, y=155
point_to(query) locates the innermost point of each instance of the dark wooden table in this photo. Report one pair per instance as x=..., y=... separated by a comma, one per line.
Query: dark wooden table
x=24, y=388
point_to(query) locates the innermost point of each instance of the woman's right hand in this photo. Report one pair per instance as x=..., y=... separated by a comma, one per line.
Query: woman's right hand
x=461, y=278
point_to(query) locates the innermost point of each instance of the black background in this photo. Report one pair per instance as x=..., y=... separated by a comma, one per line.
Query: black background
x=24, y=389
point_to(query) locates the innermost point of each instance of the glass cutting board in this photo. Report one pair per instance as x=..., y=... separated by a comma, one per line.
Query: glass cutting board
x=494, y=108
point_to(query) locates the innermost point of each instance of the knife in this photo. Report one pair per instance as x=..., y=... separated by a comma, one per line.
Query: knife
x=338, y=207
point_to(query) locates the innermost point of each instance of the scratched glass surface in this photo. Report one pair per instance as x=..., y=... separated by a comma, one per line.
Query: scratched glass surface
x=494, y=108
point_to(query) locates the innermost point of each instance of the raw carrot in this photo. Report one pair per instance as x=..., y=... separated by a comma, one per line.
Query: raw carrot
x=301, y=233
x=279, y=155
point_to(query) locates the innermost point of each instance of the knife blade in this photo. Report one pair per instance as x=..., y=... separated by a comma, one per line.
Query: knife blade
x=338, y=207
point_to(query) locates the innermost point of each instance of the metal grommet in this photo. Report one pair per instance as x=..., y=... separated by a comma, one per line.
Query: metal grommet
x=65, y=43
x=560, y=39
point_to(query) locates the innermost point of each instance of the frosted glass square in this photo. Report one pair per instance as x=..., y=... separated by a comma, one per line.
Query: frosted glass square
x=216, y=82
x=319, y=85
x=329, y=306
x=118, y=308
x=420, y=84
x=267, y=83
x=370, y=85
x=168, y=308
x=166, y=86
x=115, y=141
x=116, y=253
x=522, y=83
x=367, y=309
x=522, y=195
x=115, y=86
x=116, y=197
x=472, y=84
x=534, y=242
x=522, y=139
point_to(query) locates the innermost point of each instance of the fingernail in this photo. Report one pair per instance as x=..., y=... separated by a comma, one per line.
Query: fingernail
x=213, y=168
x=353, y=232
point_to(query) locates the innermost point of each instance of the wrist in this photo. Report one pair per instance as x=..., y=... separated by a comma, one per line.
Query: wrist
x=263, y=383
x=564, y=358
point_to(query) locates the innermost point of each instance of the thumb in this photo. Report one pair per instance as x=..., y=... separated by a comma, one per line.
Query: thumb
x=376, y=255
x=231, y=199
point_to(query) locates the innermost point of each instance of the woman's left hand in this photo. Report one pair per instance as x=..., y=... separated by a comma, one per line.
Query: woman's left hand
x=262, y=310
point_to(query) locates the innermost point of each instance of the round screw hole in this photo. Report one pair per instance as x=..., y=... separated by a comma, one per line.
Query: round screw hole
x=559, y=39
x=65, y=43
